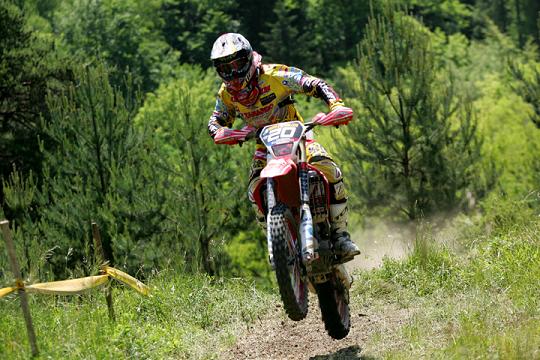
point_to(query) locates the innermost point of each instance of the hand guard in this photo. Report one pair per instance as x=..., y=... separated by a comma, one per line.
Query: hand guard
x=228, y=136
x=341, y=115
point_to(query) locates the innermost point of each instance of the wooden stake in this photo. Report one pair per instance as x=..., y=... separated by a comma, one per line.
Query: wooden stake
x=99, y=254
x=18, y=278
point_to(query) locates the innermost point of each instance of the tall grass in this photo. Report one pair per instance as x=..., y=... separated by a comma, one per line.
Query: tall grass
x=482, y=302
x=186, y=317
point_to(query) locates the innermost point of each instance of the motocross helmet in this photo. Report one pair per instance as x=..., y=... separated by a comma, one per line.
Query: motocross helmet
x=237, y=65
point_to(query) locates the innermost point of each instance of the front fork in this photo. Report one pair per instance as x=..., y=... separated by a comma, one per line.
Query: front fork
x=307, y=239
x=306, y=220
x=271, y=202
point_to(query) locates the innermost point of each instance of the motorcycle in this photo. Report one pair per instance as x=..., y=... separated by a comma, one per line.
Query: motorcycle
x=295, y=198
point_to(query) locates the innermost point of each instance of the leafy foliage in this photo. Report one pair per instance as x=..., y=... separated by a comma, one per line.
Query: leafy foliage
x=528, y=86
x=121, y=32
x=518, y=18
x=451, y=16
x=191, y=26
x=202, y=176
x=28, y=68
x=436, y=107
x=416, y=149
x=288, y=28
x=100, y=170
x=447, y=116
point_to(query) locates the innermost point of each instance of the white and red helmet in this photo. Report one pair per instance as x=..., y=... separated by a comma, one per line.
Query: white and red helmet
x=236, y=63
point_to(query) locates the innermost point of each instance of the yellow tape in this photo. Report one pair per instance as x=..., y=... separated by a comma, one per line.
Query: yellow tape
x=8, y=290
x=67, y=287
x=127, y=279
x=76, y=286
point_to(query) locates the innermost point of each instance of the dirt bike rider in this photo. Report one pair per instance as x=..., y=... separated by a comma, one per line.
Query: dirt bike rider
x=261, y=95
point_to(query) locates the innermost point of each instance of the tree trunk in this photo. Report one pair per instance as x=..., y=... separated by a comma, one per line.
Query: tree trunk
x=208, y=265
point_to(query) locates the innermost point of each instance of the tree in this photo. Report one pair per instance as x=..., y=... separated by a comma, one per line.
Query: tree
x=100, y=169
x=497, y=10
x=207, y=187
x=519, y=18
x=124, y=33
x=29, y=68
x=192, y=26
x=337, y=27
x=528, y=86
x=254, y=18
x=416, y=145
x=449, y=15
x=289, y=30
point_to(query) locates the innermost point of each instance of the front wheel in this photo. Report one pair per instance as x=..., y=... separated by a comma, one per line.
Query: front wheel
x=288, y=264
x=334, y=303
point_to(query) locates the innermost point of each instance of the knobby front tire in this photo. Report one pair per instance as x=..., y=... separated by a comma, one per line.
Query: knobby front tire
x=334, y=303
x=287, y=259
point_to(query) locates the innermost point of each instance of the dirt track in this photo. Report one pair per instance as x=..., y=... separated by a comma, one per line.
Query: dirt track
x=277, y=337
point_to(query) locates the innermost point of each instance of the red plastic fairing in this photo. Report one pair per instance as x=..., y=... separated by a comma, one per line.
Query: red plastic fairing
x=340, y=116
x=257, y=196
x=286, y=181
x=277, y=167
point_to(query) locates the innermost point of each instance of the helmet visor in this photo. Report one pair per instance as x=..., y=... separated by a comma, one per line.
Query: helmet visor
x=234, y=69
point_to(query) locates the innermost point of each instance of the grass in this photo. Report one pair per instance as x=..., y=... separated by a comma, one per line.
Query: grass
x=479, y=303
x=187, y=317
x=478, y=300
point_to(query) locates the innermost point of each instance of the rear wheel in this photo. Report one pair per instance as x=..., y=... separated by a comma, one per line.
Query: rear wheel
x=288, y=264
x=334, y=303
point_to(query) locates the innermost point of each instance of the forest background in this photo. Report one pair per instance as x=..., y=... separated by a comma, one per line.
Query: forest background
x=104, y=107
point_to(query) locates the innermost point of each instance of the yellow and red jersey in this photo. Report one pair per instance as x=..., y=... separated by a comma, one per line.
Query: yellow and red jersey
x=277, y=83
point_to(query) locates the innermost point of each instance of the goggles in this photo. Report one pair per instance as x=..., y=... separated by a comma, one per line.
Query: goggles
x=234, y=69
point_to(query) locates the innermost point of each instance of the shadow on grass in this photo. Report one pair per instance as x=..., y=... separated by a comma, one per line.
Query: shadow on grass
x=348, y=353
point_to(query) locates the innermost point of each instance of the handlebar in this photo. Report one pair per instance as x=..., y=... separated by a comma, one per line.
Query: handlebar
x=336, y=117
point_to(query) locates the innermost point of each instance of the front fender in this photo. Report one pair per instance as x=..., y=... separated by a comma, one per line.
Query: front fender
x=277, y=167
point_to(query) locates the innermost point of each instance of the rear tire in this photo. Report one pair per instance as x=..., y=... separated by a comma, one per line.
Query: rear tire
x=334, y=303
x=288, y=264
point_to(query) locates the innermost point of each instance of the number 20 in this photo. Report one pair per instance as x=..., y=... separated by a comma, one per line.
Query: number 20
x=280, y=133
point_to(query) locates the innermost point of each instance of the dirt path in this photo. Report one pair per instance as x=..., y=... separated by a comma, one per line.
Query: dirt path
x=277, y=337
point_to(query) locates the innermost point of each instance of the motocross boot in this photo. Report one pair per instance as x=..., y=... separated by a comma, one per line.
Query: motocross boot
x=343, y=245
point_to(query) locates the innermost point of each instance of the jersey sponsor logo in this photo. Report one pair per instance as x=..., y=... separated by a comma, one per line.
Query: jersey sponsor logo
x=268, y=99
x=265, y=89
x=258, y=112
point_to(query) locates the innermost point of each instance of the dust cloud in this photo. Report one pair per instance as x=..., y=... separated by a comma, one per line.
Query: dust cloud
x=378, y=241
